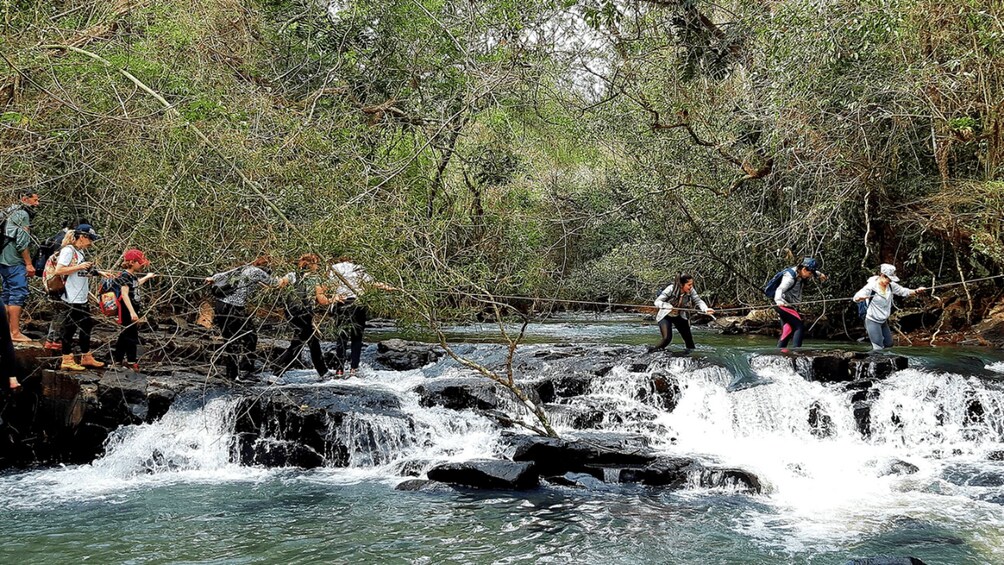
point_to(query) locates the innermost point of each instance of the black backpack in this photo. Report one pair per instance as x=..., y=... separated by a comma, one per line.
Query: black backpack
x=45, y=250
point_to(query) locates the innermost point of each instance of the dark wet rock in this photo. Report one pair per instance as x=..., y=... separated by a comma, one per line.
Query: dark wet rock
x=975, y=413
x=555, y=456
x=402, y=355
x=556, y=386
x=820, y=423
x=459, y=393
x=339, y=422
x=862, y=417
x=252, y=450
x=897, y=467
x=575, y=416
x=412, y=467
x=842, y=366
x=886, y=561
x=576, y=480
x=489, y=474
x=599, y=412
x=996, y=455
x=677, y=473
x=413, y=485
x=662, y=390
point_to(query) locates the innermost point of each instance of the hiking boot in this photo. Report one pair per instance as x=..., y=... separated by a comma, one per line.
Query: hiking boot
x=69, y=364
x=53, y=345
x=88, y=360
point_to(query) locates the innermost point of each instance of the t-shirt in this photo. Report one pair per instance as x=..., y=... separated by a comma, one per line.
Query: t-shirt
x=354, y=274
x=76, y=283
x=127, y=279
x=17, y=227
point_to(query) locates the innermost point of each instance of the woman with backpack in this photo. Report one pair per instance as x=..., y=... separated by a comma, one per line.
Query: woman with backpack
x=300, y=314
x=130, y=308
x=879, y=292
x=351, y=281
x=675, y=303
x=73, y=270
x=786, y=290
x=232, y=289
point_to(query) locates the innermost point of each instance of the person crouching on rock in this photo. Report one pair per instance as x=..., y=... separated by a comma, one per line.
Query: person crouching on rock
x=675, y=303
x=125, y=351
x=73, y=266
x=300, y=313
x=787, y=297
x=232, y=289
x=879, y=293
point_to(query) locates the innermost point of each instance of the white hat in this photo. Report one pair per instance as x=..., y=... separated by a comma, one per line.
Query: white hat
x=889, y=271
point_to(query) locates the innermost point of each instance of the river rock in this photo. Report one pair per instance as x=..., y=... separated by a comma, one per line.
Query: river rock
x=459, y=393
x=253, y=450
x=841, y=366
x=339, y=421
x=897, y=467
x=555, y=456
x=401, y=355
x=490, y=474
x=555, y=386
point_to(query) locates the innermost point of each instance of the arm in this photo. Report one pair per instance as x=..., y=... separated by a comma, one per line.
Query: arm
x=900, y=290
x=19, y=229
x=863, y=294
x=695, y=298
x=663, y=300
x=320, y=296
x=63, y=267
x=787, y=281
x=128, y=304
x=145, y=278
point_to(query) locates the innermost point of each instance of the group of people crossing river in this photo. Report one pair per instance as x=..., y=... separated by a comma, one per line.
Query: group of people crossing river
x=66, y=275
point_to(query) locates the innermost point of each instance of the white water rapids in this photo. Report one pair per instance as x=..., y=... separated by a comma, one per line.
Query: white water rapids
x=824, y=488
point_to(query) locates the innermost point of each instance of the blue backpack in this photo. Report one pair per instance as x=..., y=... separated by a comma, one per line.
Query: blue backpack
x=863, y=306
x=775, y=282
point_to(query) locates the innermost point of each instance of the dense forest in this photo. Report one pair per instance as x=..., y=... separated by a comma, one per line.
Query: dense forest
x=577, y=149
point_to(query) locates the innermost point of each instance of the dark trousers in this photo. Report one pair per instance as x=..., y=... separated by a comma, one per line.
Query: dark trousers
x=303, y=333
x=791, y=326
x=350, y=319
x=239, y=336
x=127, y=345
x=666, y=329
x=77, y=319
x=8, y=364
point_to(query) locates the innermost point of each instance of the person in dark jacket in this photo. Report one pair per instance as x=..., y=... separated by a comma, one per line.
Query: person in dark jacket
x=300, y=313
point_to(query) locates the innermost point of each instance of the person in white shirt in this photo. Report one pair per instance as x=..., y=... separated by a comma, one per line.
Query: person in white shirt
x=675, y=303
x=879, y=292
x=350, y=281
x=73, y=266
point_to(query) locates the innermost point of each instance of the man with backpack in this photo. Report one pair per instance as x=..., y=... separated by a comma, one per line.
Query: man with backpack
x=16, y=266
x=785, y=288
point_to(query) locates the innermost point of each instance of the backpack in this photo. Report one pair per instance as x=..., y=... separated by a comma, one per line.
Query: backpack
x=4, y=220
x=775, y=282
x=230, y=283
x=110, y=297
x=863, y=306
x=45, y=250
x=54, y=284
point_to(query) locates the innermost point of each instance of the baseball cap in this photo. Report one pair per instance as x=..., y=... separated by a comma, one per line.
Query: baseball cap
x=889, y=271
x=810, y=264
x=136, y=256
x=88, y=230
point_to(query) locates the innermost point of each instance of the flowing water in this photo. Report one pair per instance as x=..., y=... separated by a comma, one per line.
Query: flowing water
x=167, y=492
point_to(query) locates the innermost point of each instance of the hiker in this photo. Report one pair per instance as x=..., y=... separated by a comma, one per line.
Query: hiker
x=878, y=293
x=232, y=289
x=787, y=294
x=72, y=267
x=16, y=266
x=8, y=363
x=47, y=249
x=675, y=303
x=350, y=281
x=300, y=314
x=130, y=308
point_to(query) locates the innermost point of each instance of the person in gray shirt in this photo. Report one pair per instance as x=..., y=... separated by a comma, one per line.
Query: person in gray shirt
x=879, y=292
x=675, y=303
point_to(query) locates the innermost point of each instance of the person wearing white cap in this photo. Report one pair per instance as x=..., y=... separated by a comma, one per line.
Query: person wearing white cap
x=879, y=292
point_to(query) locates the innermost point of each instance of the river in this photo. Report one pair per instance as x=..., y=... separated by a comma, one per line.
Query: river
x=168, y=493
